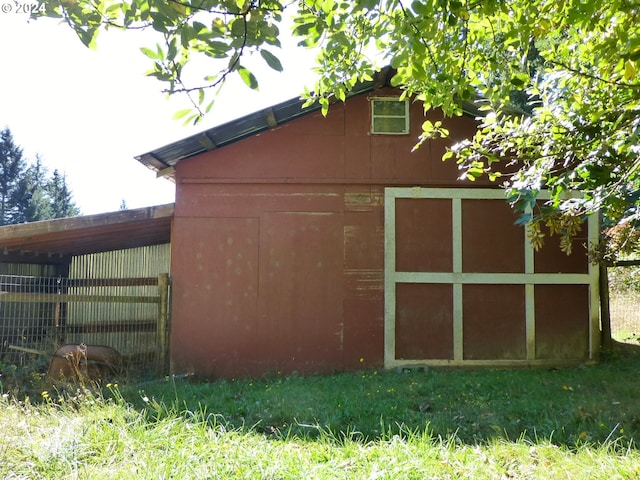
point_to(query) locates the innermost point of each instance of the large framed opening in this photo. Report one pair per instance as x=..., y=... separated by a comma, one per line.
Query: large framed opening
x=464, y=286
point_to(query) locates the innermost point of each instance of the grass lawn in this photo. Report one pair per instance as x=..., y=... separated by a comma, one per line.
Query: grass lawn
x=533, y=423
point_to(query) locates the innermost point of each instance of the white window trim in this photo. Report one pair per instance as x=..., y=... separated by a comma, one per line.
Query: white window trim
x=405, y=116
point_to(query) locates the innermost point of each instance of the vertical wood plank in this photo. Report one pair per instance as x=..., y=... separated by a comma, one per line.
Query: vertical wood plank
x=458, y=323
x=163, y=321
x=389, y=276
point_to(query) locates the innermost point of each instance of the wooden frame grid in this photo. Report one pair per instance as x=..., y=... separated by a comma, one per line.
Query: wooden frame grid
x=457, y=278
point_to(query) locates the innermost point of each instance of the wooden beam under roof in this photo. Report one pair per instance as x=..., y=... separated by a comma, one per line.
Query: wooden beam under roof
x=45, y=240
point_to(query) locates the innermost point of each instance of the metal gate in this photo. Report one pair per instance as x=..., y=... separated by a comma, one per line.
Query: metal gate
x=463, y=285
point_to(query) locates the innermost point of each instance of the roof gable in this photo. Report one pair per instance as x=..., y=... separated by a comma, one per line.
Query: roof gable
x=164, y=159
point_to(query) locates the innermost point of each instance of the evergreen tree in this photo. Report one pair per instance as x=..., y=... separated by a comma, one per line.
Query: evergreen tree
x=27, y=193
x=12, y=169
x=60, y=197
x=32, y=200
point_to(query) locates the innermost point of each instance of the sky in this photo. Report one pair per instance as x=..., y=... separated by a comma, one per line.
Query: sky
x=88, y=113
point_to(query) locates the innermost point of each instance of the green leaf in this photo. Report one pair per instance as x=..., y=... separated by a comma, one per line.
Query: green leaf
x=271, y=60
x=629, y=70
x=519, y=80
x=150, y=53
x=158, y=54
x=181, y=113
x=238, y=27
x=87, y=36
x=217, y=49
x=248, y=78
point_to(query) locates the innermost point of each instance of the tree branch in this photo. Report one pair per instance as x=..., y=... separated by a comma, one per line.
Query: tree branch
x=592, y=76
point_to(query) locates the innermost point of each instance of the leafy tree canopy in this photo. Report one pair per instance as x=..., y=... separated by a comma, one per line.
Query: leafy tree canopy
x=571, y=64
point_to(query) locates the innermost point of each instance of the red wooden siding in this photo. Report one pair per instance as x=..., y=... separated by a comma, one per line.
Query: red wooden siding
x=493, y=243
x=494, y=322
x=424, y=321
x=562, y=329
x=279, y=254
x=423, y=236
x=487, y=298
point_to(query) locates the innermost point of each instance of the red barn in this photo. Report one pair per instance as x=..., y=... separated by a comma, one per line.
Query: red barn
x=318, y=244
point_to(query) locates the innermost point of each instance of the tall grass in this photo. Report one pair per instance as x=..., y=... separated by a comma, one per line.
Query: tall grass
x=569, y=423
x=112, y=440
x=565, y=406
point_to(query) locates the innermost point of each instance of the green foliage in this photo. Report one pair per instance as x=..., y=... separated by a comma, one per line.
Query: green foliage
x=60, y=196
x=476, y=407
x=12, y=169
x=27, y=194
x=576, y=423
x=223, y=31
x=33, y=203
x=625, y=280
x=558, y=81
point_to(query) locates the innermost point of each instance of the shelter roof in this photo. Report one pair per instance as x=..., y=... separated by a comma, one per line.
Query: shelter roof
x=49, y=241
x=164, y=159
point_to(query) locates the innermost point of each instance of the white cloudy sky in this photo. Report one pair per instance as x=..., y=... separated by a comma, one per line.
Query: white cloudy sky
x=88, y=113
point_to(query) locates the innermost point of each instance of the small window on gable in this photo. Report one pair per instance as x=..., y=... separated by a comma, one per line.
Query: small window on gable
x=389, y=116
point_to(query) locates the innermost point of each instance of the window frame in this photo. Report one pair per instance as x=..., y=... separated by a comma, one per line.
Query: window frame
x=375, y=116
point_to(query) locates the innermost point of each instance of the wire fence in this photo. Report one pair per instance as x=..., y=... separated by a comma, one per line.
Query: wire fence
x=625, y=314
x=624, y=302
x=40, y=314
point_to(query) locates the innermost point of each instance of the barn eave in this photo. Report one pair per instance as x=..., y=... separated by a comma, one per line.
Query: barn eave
x=54, y=241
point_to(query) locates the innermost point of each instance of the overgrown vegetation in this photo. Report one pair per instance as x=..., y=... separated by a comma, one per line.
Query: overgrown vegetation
x=581, y=422
x=572, y=66
x=624, y=280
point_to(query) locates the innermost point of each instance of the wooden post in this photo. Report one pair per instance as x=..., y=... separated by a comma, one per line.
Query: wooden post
x=163, y=322
x=605, y=314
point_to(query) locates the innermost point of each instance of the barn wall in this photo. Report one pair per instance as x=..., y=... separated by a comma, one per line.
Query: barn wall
x=486, y=297
x=278, y=252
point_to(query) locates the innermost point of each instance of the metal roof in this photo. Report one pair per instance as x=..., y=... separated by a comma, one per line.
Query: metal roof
x=164, y=159
x=51, y=241
x=168, y=156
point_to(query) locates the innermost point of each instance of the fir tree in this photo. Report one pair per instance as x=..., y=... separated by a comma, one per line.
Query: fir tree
x=27, y=193
x=32, y=200
x=12, y=169
x=60, y=197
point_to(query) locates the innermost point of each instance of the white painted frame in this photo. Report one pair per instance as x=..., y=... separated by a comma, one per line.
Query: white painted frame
x=458, y=278
x=405, y=116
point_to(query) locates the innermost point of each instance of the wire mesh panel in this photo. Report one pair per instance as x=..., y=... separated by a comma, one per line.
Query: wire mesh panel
x=115, y=299
x=624, y=301
x=27, y=320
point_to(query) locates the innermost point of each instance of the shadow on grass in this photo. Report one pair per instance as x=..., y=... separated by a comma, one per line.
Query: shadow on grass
x=624, y=348
x=595, y=404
